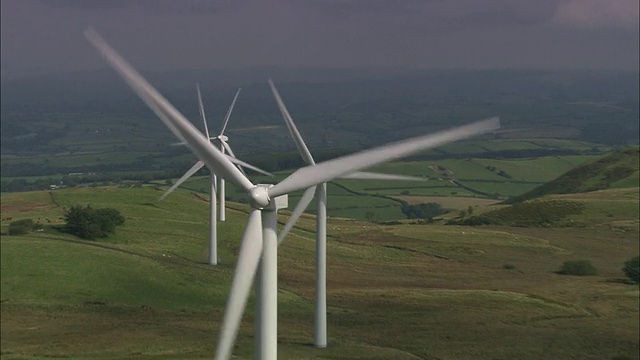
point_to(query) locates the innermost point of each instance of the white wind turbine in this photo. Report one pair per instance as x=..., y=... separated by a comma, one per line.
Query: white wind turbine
x=224, y=146
x=259, y=241
x=213, y=246
x=320, y=191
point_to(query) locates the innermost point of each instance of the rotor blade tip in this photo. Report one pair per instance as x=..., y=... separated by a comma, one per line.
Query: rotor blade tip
x=91, y=35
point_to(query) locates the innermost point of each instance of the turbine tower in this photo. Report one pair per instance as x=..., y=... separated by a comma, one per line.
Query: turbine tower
x=259, y=241
x=320, y=191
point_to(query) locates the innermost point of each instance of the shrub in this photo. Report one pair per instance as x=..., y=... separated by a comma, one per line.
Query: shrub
x=632, y=269
x=508, y=266
x=578, y=268
x=20, y=227
x=89, y=223
x=477, y=221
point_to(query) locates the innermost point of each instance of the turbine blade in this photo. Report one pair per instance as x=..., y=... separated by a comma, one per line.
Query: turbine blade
x=197, y=166
x=247, y=165
x=226, y=117
x=201, y=109
x=364, y=175
x=331, y=169
x=248, y=259
x=293, y=130
x=228, y=149
x=172, y=118
x=302, y=205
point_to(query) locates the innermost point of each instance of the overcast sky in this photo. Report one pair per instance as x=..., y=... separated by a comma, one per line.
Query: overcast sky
x=46, y=35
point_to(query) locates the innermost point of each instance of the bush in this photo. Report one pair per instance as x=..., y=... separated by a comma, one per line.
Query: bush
x=477, y=221
x=578, y=268
x=632, y=269
x=89, y=223
x=422, y=211
x=20, y=227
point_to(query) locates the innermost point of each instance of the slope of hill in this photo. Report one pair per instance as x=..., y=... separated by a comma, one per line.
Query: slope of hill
x=611, y=209
x=401, y=292
x=616, y=170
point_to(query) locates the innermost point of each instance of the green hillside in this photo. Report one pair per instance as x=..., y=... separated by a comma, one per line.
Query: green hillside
x=611, y=209
x=616, y=170
x=394, y=292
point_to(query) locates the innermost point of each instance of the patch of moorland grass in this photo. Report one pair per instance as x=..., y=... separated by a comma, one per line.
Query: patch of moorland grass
x=37, y=205
x=527, y=214
x=472, y=237
x=449, y=323
x=614, y=208
x=604, y=212
x=627, y=194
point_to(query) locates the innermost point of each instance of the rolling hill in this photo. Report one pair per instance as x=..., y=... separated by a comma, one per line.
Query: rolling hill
x=616, y=170
x=401, y=291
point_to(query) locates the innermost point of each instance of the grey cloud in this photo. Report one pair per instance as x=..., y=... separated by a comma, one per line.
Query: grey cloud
x=46, y=35
x=150, y=7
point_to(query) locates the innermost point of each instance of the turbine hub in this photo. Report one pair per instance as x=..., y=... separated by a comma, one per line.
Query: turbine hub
x=259, y=196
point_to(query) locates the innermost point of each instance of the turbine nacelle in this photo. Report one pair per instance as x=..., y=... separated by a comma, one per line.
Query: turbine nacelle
x=260, y=200
x=221, y=138
x=259, y=196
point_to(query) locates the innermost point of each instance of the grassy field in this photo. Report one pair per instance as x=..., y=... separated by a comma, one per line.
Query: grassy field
x=402, y=291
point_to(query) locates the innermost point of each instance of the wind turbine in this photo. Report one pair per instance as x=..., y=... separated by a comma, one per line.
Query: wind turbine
x=213, y=247
x=259, y=241
x=320, y=192
x=224, y=146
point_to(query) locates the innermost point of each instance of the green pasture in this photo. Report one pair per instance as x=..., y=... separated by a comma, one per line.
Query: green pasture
x=402, y=291
x=631, y=181
x=541, y=169
x=526, y=174
x=500, y=189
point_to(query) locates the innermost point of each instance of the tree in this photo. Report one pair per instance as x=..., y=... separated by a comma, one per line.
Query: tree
x=89, y=223
x=632, y=269
x=578, y=268
x=370, y=215
x=21, y=227
x=422, y=211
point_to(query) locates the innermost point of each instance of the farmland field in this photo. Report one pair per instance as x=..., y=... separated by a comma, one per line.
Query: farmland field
x=468, y=178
